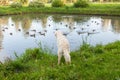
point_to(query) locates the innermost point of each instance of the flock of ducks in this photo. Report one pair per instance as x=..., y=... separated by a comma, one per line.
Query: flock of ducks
x=31, y=33
x=91, y=27
x=65, y=28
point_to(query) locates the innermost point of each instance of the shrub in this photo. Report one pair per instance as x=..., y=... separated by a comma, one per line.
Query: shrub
x=57, y=3
x=36, y=4
x=80, y=3
x=16, y=5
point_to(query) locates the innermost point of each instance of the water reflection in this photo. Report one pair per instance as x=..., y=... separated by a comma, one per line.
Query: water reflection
x=19, y=32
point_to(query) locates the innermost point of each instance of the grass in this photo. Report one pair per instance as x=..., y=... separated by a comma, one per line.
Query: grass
x=101, y=62
x=110, y=9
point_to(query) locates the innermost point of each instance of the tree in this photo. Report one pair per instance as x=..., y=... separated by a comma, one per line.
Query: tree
x=24, y=2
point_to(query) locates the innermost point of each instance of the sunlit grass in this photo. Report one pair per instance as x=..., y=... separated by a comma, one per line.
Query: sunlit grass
x=93, y=9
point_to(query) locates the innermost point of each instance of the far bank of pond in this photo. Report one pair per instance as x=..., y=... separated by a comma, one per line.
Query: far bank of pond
x=93, y=9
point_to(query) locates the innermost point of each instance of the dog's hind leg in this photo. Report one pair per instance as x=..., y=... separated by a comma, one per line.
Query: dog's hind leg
x=59, y=56
x=67, y=57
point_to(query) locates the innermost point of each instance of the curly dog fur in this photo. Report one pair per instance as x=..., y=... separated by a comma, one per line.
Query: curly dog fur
x=63, y=47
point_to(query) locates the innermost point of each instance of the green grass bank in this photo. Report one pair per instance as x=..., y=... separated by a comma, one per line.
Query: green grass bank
x=109, y=9
x=101, y=62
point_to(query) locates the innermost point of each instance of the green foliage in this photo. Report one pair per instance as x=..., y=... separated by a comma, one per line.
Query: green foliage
x=92, y=9
x=81, y=4
x=16, y=5
x=57, y=3
x=23, y=1
x=36, y=4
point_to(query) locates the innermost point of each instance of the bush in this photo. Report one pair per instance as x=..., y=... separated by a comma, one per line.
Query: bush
x=16, y=5
x=57, y=3
x=80, y=3
x=36, y=4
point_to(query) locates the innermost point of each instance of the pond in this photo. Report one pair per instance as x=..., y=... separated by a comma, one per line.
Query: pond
x=20, y=32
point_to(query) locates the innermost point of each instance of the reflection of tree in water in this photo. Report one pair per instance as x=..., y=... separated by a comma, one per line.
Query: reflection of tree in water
x=114, y=22
x=58, y=18
x=70, y=21
x=41, y=17
x=3, y=21
x=44, y=21
x=1, y=38
x=25, y=21
x=116, y=25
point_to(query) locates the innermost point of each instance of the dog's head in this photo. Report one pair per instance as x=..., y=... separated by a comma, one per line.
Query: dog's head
x=58, y=32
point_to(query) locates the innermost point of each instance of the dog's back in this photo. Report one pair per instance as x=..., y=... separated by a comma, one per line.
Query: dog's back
x=62, y=42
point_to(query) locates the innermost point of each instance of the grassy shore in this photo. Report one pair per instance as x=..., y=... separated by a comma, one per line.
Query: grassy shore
x=88, y=63
x=109, y=9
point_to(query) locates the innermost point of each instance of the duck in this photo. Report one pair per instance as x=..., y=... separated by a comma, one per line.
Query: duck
x=11, y=33
x=33, y=30
x=49, y=25
x=42, y=33
x=3, y=30
x=32, y=35
x=66, y=25
x=12, y=24
x=27, y=32
x=45, y=30
x=81, y=30
x=19, y=29
x=6, y=28
x=93, y=31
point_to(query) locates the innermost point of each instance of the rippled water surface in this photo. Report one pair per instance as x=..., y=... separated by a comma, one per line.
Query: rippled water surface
x=19, y=32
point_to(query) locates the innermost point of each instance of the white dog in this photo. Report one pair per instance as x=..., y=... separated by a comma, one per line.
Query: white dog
x=63, y=47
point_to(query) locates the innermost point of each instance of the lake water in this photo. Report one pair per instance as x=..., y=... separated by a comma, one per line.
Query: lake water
x=19, y=32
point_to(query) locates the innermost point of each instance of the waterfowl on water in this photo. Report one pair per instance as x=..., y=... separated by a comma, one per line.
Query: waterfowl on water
x=66, y=25
x=33, y=30
x=12, y=24
x=42, y=33
x=49, y=25
x=32, y=35
x=94, y=31
x=27, y=32
x=3, y=30
x=19, y=29
x=45, y=30
x=11, y=33
x=6, y=28
x=81, y=30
